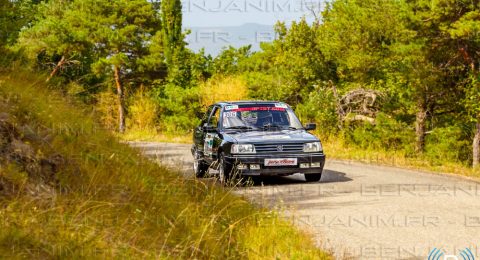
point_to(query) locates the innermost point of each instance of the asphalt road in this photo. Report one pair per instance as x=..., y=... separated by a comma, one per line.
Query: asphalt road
x=360, y=211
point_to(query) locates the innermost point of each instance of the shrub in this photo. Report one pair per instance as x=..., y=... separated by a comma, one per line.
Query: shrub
x=223, y=88
x=178, y=108
x=271, y=87
x=142, y=112
x=107, y=108
x=387, y=134
x=320, y=107
x=448, y=144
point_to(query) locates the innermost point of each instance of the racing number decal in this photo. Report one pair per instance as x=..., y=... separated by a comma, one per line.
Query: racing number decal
x=230, y=114
x=208, y=145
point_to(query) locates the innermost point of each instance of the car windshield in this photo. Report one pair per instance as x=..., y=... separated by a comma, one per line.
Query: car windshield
x=260, y=117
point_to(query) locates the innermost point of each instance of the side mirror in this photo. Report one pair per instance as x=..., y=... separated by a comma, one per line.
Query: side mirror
x=310, y=126
x=209, y=128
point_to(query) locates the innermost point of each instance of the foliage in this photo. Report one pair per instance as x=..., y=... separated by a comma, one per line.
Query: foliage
x=321, y=107
x=143, y=112
x=13, y=16
x=360, y=35
x=231, y=60
x=220, y=89
x=106, y=108
x=422, y=57
x=185, y=68
x=472, y=98
x=103, y=200
x=339, y=149
x=386, y=134
x=108, y=39
x=263, y=86
x=288, y=68
x=56, y=34
x=178, y=108
x=448, y=144
x=119, y=31
x=172, y=29
x=188, y=68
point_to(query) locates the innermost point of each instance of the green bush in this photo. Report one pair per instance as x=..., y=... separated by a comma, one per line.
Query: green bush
x=448, y=144
x=387, y=134
x=178, y=108
x=274, y=86
x=320, y=107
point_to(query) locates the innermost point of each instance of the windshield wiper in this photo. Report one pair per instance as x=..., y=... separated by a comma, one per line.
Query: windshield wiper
x=267, y=126
x=240, y=127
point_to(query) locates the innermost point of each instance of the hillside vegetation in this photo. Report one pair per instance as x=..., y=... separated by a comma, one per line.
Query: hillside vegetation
x=68, y=189
x=397, y=79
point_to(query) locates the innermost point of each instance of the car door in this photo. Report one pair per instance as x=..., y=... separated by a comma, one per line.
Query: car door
x=212, y=140
x=199, y=132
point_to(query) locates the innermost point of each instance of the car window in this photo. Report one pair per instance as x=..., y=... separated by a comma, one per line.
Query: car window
x=260, y=116
x=215, y=118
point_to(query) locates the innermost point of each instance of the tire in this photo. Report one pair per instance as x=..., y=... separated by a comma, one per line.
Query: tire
x=200, y=168
x=315, y=177
x=225, y=171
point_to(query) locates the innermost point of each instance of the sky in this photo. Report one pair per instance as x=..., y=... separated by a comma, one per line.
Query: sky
x=213, y=13
x=218, y=24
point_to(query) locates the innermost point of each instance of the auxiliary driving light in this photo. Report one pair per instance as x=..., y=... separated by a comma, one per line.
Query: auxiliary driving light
x=315, y=165
x=254, y=166
x=304, y=165
x=242, y=166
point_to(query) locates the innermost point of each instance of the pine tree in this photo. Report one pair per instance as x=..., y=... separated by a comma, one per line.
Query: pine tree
x=172, y=28
x=116, y=35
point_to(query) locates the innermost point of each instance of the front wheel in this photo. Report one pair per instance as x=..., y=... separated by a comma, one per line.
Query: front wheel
x=225, y=171
x=315, y=177
x=199, y=166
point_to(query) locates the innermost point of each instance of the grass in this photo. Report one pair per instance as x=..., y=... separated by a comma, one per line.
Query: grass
x=338, y=149
x=103, y=200
x=152, y=135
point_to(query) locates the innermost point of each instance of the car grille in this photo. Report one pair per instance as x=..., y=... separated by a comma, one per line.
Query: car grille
x=279, y=148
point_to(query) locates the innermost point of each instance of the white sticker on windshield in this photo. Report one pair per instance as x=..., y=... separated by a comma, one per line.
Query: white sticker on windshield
x=281, y=105
x=230, y=114
x=231, y=107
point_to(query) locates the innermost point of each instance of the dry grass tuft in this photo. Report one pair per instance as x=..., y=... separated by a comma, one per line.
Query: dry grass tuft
x=225, y=88
x=101, y=199
x=337, y=149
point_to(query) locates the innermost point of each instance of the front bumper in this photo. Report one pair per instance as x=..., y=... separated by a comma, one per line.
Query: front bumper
x=277, y=170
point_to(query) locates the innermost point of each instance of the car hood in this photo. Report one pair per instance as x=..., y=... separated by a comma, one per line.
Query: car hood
x=284, y=136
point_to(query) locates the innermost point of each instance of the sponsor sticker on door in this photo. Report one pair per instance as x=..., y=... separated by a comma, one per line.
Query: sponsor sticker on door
x=281, y=162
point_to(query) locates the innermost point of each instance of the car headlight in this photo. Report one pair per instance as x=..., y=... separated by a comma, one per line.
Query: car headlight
x=312, y=147
x=243, y=148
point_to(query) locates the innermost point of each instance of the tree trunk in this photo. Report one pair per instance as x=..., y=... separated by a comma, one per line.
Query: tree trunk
x=476, y=139
x=420, y=126
x=476, y=146
x=57, y=68
x=121, y=101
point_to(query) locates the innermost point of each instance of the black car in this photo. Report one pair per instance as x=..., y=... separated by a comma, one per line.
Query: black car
x=256, y=138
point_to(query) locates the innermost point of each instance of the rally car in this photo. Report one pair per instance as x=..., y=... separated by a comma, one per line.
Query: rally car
x=256, y=138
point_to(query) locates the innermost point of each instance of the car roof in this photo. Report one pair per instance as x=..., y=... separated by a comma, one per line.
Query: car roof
x=248, y=102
